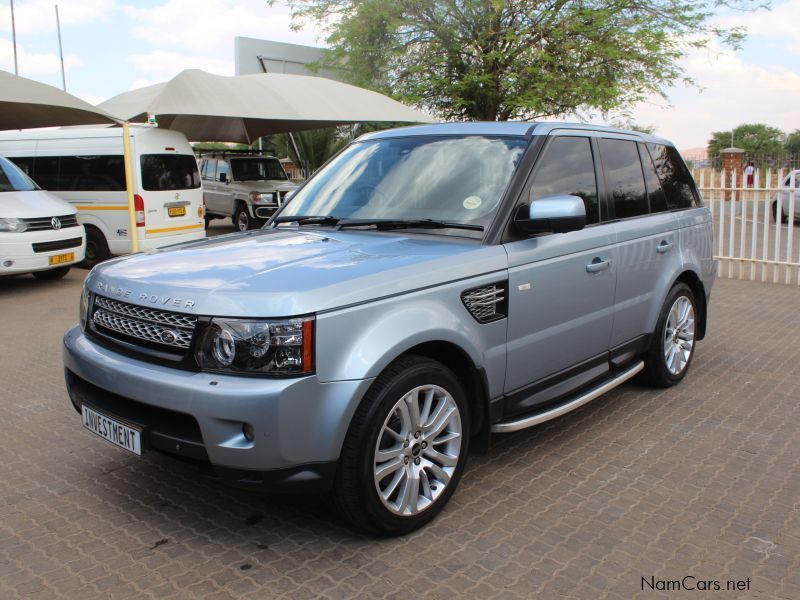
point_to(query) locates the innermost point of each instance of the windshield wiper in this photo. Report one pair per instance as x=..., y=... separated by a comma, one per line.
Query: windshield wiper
x=307, y=220
x=408, y=223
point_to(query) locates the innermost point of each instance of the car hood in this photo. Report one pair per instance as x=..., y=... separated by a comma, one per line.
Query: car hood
x=33, y=204
x=270, y=185
x=291, y=271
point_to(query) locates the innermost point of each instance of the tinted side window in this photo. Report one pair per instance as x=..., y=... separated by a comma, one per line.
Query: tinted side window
x=45, y=172
x=567, y=167
x=624, y=177
x=91, y=173
x=675, y=178
x=658, y=202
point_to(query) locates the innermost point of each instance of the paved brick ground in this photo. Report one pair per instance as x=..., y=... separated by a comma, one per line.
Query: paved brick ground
x=700, y=480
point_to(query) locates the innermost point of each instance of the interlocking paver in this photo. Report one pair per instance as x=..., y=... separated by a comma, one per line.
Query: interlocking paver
x=697, y=480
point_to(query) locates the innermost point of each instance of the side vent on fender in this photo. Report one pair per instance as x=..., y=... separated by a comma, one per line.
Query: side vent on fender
x=487, y=303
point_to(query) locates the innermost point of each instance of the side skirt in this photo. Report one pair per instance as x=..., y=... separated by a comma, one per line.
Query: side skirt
x=569, y=404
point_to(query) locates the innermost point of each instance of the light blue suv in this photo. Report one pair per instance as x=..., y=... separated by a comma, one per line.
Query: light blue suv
x=427, y=287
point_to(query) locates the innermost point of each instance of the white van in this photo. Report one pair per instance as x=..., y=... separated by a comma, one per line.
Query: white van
x=39, y=233
x=85, y=167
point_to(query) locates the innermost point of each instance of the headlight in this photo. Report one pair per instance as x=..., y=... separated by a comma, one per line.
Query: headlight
x=258, y=347
x=83, y=310
x=261, y=197
x=15, y=225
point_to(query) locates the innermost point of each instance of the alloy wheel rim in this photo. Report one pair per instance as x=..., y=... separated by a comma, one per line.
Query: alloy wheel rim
x=679, y=335
x=417, y=450
x=242, y=221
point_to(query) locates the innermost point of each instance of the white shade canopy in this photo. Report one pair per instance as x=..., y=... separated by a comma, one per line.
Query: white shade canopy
x=25, y=103
x=207, y=107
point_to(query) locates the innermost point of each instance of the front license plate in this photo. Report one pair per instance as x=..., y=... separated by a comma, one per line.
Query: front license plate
x=60, y=259
x=176, y=211
x=115, y=432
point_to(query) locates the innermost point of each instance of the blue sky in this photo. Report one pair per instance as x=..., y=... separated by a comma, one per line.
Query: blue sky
x=112, y=46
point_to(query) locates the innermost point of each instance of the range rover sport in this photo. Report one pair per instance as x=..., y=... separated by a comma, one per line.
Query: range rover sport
x=427, y=287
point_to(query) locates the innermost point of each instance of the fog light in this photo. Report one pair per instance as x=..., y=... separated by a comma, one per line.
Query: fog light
x=8, y=263
x=249, y=432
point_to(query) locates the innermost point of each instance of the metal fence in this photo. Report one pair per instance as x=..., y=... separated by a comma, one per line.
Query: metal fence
x=762, y=162
x=751, y=241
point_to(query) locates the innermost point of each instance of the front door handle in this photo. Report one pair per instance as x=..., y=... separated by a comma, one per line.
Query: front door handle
x=664, y=246
x=598, y=264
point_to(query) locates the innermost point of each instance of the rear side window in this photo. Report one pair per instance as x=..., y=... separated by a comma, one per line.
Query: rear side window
x=567, y=167
x=675, y=178
x=658, y=201
x=164, y=172
x=76, y=173
x=91, y=173
x=624, y=178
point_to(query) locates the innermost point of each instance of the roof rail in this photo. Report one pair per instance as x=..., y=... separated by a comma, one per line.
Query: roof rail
x=267, y=152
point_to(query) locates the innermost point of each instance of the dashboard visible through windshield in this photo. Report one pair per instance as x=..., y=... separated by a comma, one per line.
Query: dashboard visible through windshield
x=456, y=179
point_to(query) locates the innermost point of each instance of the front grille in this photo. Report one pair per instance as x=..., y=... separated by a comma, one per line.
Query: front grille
x=164, y=328
x=56, y=245
x=45, y=223
x=487, y=303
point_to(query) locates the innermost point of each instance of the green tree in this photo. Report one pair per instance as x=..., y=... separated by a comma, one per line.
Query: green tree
x=504, y=59
x=793, y=142
x=315, y=146
x=755, y=138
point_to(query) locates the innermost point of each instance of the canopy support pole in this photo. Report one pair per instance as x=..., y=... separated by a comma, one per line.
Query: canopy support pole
x=126, y=147
x=297, y=154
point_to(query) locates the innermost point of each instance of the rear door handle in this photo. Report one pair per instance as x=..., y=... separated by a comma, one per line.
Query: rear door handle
x=598, y=264
x=664, y=246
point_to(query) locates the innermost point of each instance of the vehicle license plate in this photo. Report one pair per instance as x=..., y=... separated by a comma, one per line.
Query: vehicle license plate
x=60, y=259
x=115, y=432
x=176, y=211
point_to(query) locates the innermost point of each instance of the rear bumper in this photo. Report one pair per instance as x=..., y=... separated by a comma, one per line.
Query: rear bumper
x=299, y=423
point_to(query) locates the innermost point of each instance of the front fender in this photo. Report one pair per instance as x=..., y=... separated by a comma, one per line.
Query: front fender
x=361, y=341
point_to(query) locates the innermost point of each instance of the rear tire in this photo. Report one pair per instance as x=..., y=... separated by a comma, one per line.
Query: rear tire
x=241, y=218
x=672, y=347
x=399, y=464
x=96, y=247
x=51, y=274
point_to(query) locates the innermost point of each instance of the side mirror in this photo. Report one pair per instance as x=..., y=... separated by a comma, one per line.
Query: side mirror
x=553, y=214
x=223, y=178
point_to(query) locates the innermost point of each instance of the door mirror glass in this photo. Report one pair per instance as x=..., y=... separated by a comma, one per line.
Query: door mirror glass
x=553, y=214
x=223, y=178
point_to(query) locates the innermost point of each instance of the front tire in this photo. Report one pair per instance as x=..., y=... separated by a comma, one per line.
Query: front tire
x=241, y=218
x=672, y=348
x=51, y=274
x=96, y=247
x=405, y=450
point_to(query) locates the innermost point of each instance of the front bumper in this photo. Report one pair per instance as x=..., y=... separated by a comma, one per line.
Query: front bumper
x=17, y=250
x=299, y=423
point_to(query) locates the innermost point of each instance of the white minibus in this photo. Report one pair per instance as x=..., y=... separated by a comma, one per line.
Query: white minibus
x=85, y=167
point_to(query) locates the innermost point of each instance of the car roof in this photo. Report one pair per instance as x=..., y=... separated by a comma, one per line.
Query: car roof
x=504, y=128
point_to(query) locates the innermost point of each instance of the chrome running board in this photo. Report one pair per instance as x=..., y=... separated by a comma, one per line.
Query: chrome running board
x=562, y=409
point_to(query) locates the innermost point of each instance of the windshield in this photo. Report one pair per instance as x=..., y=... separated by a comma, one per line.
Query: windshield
x=455, y=179
x=164, y=172
x=257, y=169
x=12, y=179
